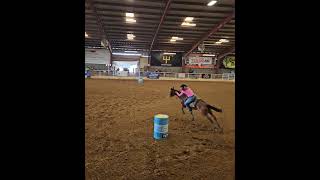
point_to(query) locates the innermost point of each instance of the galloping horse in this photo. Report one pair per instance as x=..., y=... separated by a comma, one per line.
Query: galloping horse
x=200, y=105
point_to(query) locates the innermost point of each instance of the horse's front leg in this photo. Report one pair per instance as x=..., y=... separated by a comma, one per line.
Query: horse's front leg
x=182, y=107
x=192, y=115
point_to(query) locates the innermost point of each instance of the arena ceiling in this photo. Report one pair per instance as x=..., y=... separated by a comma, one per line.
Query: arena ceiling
x=157, y=21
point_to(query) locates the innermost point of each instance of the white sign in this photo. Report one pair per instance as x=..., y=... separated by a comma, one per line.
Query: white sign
x=181, y=75
x=122, y=73
x=199, y=60
x=97, y=56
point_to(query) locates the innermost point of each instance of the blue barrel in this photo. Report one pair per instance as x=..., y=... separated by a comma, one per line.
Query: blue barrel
x=160, y=130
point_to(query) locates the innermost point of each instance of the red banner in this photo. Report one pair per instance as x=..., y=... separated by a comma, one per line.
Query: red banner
x=199, y=67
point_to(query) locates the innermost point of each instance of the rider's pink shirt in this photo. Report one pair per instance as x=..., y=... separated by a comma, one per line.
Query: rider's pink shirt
x=187, y=92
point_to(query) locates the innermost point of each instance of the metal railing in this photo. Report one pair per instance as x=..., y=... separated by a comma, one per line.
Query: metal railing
x=224, y=76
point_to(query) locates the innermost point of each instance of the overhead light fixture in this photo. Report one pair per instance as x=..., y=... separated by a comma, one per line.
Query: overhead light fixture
x=224, y=40
x=130, y=35
x=218, y=42
x=86, y=35
x=176, y=38
x=169, y=53
x=208, y=55
x=211, y=3
x=188, y=19
x=188, y=24
x=130, y=20
x=130, y=15
x=126, y=54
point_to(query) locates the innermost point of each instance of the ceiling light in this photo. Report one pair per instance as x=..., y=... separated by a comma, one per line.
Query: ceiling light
x=224, y=40
x=188, y=19
x=211, y=3
x=188, y=24
x=185, y=24
x=129, y=14
x=126, y=54
x=130, y=35
x=169, y=53
x=86, y=35
x=172, y=40
x=176, y=38
x=130, y=20
x=218, y=42
x=208, y=55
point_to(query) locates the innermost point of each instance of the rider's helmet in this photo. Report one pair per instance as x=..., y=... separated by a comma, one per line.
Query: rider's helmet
x=183, y=86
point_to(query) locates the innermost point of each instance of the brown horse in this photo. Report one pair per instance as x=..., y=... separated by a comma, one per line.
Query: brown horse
x=200, y=105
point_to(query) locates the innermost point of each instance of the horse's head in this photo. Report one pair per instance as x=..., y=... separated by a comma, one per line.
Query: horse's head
x=172, y=92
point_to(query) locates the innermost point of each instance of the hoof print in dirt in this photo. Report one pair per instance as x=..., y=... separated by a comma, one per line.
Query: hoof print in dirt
x=185, y=153
x=159, y=172
x=204, y=143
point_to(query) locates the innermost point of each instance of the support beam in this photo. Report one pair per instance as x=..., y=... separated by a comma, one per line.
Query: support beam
x=101, y=28
x=161, y=21
x=231, y=50
x=212, y=31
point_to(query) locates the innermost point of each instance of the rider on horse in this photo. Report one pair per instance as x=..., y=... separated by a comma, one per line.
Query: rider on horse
x=189, y=93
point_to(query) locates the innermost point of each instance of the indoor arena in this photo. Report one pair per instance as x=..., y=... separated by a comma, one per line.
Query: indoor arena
x=159, y=89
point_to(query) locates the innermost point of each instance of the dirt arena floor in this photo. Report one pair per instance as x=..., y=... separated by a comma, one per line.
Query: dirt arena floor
x=119, y=132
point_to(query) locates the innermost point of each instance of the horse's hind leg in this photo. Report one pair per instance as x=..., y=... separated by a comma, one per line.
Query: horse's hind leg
x=192, y=115
x=213, y=117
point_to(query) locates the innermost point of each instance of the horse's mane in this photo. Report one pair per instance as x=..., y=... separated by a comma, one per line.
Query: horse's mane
x=182, y=96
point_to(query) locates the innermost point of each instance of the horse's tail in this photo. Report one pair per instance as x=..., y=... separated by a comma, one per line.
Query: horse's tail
x=214, y=108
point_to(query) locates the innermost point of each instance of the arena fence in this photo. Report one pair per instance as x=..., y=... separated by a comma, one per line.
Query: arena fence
x=224, y=76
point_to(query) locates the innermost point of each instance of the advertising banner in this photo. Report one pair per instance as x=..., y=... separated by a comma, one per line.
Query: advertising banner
x=163, y=59
x=199, y=60
x=229, y=62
